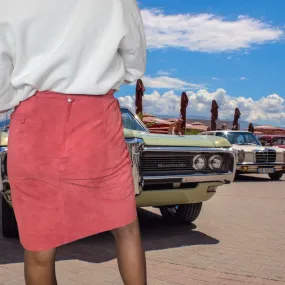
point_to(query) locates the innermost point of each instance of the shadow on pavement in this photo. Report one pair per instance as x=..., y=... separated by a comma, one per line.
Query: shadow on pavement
x=157, y=234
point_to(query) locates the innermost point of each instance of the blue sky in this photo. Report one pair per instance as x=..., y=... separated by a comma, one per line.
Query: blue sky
x=228, y=50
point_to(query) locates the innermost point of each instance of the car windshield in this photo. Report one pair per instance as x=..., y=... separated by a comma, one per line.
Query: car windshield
x=240, y=138
x=131, y=122
x=278, y=141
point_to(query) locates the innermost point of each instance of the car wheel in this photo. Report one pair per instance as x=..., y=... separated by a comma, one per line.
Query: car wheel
x=276, y=175
x=187, y=213
x=237, y=175
x=9, y=223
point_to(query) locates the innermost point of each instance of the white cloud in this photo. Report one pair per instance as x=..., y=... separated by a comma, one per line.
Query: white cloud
x=206, y=32
x=270, y=109
x=165, y=82
x=215, y=78
x=243, y=78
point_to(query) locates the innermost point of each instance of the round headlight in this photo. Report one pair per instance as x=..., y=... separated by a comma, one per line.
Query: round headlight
x=199, y=162
x=241, y=156
x=215, y=162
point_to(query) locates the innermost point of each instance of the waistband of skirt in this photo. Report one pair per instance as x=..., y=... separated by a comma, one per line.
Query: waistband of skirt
x=53, y=94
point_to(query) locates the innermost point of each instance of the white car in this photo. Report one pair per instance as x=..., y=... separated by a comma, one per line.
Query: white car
x=252, y=157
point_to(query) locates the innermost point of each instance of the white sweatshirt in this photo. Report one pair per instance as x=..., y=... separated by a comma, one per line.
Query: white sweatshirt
x=68, y=46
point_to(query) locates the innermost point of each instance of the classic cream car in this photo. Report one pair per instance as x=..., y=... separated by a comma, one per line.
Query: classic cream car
x=252, y=157
x=174, y=173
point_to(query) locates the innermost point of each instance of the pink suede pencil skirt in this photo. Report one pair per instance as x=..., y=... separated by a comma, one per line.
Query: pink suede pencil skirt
x=69, y=169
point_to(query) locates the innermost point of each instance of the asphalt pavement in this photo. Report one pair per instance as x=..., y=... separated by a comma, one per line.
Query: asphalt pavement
x=239, y=238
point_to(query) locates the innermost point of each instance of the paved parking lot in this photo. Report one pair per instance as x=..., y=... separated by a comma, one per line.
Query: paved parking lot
x=238, y=239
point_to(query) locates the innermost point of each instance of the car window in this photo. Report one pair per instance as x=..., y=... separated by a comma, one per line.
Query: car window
x=241, y=138
x=220, y=134
x=130, y=122
x=278, y=141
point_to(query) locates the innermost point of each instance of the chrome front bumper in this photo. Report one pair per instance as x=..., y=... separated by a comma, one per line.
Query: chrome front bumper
x=251, y=167
x=225, y=178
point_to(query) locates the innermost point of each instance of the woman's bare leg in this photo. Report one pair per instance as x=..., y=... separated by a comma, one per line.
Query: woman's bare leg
x=131, y=255
x=40, y=267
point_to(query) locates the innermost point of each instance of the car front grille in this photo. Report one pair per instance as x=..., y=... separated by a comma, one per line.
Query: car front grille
x=265, y=156
x=178, y=163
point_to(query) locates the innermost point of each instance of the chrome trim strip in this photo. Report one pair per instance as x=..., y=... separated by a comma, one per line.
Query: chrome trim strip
x=134, y=141
x=261, y=164
x=188, y=149
x=199, y=177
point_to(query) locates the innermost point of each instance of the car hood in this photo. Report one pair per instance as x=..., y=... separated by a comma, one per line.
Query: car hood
x=173, y=140
x=250, y=148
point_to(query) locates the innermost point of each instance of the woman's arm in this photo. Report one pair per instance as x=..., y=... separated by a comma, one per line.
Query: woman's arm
x=133, y=45
x=7, y=91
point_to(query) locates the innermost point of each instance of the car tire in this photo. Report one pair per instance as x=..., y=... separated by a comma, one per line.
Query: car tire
x=185, y=214
x=276, y=175
x=237, y=175
x=9, y=223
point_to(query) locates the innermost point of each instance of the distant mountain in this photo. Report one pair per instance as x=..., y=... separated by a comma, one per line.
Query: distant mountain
x=229, y=121
x=206, y=120
x=195, y=117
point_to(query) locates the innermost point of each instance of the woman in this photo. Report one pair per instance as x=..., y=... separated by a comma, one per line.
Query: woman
x=60, y=65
